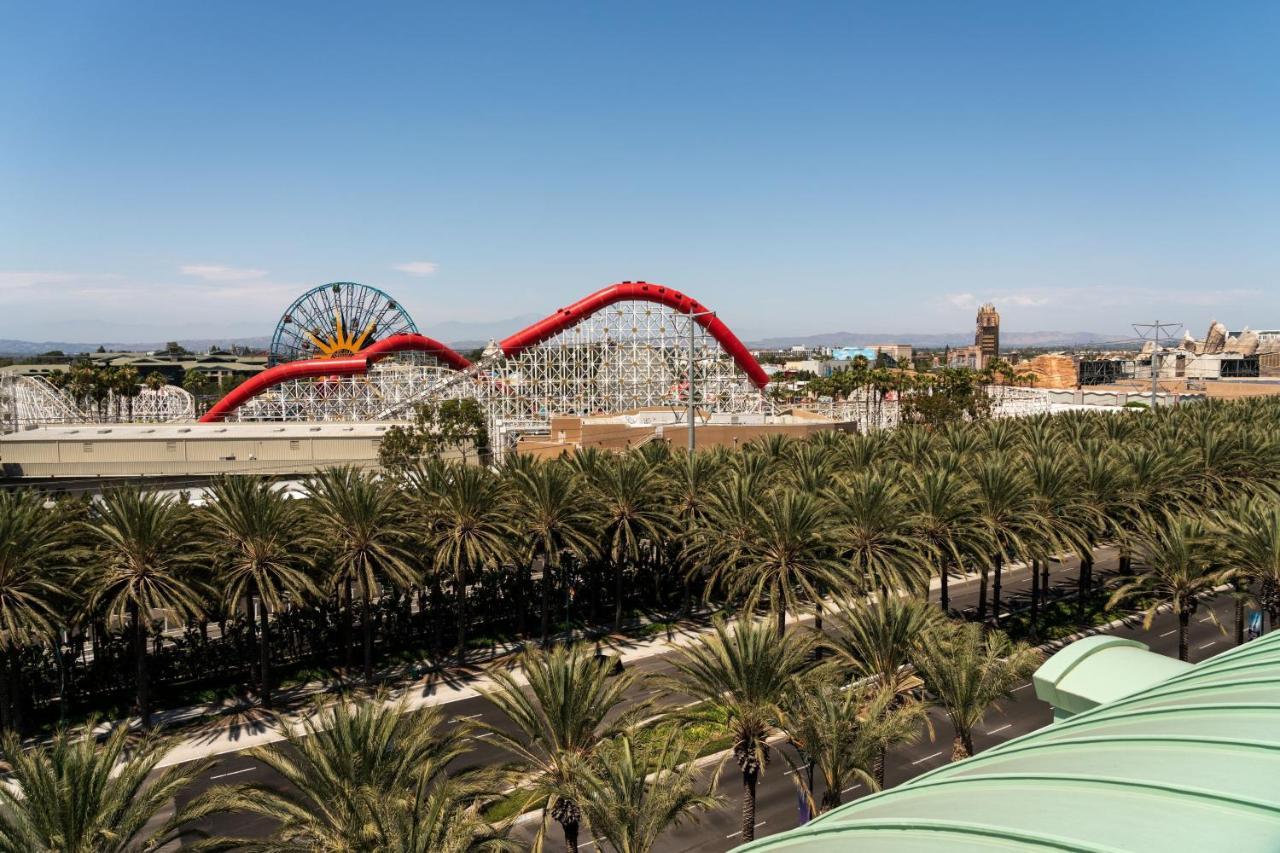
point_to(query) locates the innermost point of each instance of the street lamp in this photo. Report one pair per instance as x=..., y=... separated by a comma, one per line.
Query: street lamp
x=693, y=333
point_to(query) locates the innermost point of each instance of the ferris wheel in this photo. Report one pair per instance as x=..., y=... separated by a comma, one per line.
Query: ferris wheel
x=336, y=319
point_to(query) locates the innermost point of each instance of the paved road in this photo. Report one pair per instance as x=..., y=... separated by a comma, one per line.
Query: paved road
x=776, y=809
x=777, y=803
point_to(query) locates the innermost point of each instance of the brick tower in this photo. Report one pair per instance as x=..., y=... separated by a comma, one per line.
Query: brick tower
x=986, y=338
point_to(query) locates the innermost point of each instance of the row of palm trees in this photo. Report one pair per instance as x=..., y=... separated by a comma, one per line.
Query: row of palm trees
x=781, y=525
x=1186, y=495
x=374, y=775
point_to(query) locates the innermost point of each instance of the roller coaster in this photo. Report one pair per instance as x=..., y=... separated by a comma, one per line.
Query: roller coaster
x=348, y=352
x=630, y=345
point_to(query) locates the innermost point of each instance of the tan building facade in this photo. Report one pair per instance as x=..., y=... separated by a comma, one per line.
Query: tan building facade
x=161, y=450
x=634, y=429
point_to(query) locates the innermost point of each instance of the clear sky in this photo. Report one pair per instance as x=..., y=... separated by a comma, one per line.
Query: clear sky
x=182, y=169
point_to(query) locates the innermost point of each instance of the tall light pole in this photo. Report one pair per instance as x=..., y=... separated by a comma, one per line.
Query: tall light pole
x=693, y=342
x=1155, y=329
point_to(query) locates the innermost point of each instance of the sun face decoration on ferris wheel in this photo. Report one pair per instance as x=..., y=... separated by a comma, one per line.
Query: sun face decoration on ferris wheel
x=337, y=319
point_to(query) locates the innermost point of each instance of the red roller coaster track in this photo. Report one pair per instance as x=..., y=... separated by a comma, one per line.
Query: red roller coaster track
x=513, y=345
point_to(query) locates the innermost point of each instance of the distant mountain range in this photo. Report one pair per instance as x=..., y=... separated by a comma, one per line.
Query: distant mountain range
x=30, y=348
x=930, y=341
x=461, y=335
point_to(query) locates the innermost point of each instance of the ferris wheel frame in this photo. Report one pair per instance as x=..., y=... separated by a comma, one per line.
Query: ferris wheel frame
x=285, y=340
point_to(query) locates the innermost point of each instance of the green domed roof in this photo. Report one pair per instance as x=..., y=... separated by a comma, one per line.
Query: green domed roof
x=1189, y=763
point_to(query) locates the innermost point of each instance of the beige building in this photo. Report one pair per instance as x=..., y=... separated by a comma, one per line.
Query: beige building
x=160, y=450
x=633, y=429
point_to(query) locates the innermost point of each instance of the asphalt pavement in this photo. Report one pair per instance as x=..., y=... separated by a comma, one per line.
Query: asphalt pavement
x=777, y=802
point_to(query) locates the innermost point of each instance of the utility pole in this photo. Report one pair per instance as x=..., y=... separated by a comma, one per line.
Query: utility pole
x=693, y=341
x=1155, y=330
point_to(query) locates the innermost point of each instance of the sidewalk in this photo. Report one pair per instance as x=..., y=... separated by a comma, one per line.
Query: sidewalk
x=235, y=728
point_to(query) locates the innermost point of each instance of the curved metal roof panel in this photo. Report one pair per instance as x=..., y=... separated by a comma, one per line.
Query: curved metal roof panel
x=1189, y=763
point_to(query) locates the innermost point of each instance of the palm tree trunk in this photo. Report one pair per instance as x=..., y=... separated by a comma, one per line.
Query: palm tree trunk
x=982, y=593
x=617, y=596
x=1184, y=620
x=944, y=593
x=995, y=591
x=961, y=746
x=944, y=589
x=347, y=628
x=749, y=804
x=1035, y=595
x=830, y=799
x=140, y=655
x=6, y=717
x=462, y=618
x=366, y=628
x=264, y=656
x=546, y=601
x=877, y=764
x=782, y=621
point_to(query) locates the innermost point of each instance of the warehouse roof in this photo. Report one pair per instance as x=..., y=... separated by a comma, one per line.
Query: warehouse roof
x=172, y=431
x=1187, y=764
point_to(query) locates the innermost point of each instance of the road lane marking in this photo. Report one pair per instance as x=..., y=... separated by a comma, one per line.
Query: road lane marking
x=851, y=787
x=739, y=832
x=1023, y=687
x=927, y=757
x=1206, y=619
x=468, y=717
x=232, y=773
x=1167, y=633
x=1208, y=644
x=481, y=736
x=1002, y=728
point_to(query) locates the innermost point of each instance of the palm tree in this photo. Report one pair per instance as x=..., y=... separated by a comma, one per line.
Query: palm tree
x=874, y=536
x=1182, y=563
x=692, y=477
x=968, y=670
x=943, y=516
x=787, y=554
x=553, y=519
x=470, y=530
x=1063, y=517
x=839, y=730
x=1104, y=487
x=75, y=794
x=1156, y=480
x=633, y=514
x=155, y=381
x=874, y=642
x=144, y=552
x=731, y=525
x=369, y=775
x=358, y=522
x=35, y=552
x=1253, y=548
x=562, y=718
x=645, y=787
x=254, y=532
x=1005, y=509
x=740, y=678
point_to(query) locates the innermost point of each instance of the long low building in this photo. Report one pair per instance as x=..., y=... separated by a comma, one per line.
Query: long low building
x=635, y=428
x=179, y=450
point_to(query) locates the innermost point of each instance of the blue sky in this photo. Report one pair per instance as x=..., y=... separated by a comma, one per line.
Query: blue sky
x=181, y=169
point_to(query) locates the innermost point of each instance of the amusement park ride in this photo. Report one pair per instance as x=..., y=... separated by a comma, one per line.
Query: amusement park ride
x=349, y=352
